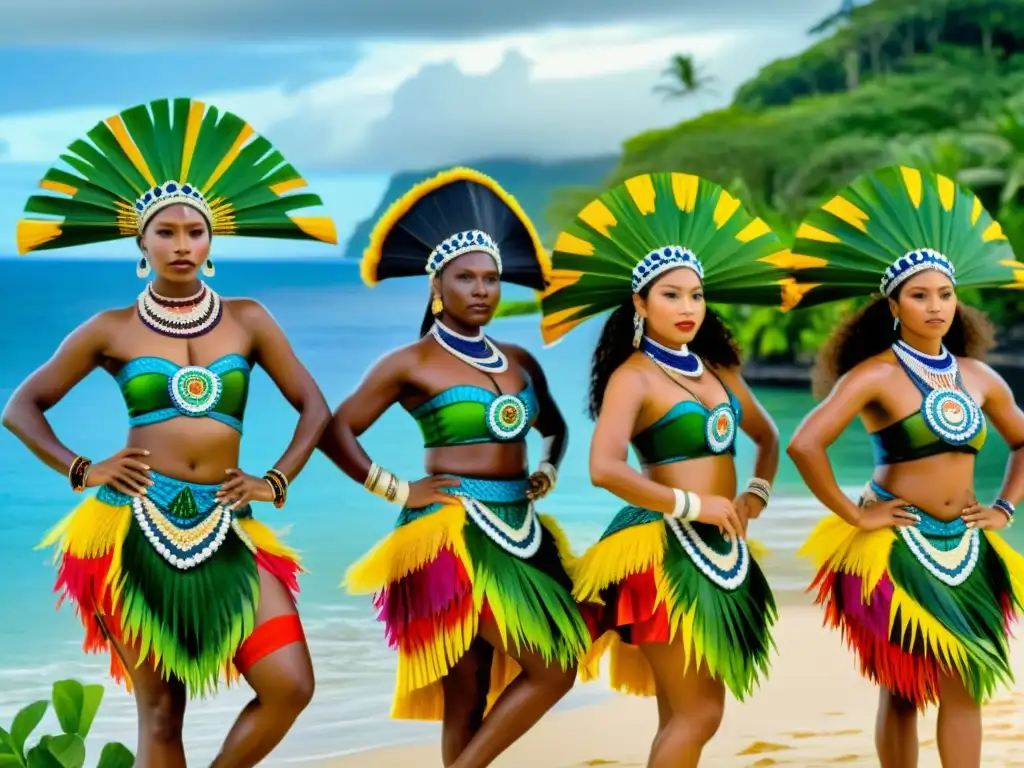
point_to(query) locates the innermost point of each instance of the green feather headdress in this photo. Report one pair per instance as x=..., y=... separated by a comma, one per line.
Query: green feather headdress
x=891, y=224
x=153, y=155
x=652, y=223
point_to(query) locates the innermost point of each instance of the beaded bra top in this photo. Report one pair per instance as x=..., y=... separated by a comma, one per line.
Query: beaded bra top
x=948, y=421
x=467, y=414
x=156, y=389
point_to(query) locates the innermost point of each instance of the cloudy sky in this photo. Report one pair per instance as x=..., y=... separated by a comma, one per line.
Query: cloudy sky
x=352, y=90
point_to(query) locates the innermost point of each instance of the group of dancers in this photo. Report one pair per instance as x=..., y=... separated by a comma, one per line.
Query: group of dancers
x=492, y=615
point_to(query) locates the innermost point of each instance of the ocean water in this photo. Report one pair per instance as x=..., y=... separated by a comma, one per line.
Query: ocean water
x=338, y=328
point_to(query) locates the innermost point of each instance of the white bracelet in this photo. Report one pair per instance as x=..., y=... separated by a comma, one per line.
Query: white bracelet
x=760, y=488
x=549, y=469
x=687, y=506
x=386, y=485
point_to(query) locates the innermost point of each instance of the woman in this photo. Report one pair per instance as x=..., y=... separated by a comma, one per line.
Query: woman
x=472, y=584
x=685, y=610
x=168, y=570
x=914, y=575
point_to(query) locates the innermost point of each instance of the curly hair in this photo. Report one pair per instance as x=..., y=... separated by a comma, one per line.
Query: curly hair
x=869, y=331
x=714, y=343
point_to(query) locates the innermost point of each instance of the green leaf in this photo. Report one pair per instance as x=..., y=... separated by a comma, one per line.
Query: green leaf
x=92, y=696
x=69, y=749
x=24, y=723
x=68, y=697
x=9, y=760
x=41, y=758
x=116, y=755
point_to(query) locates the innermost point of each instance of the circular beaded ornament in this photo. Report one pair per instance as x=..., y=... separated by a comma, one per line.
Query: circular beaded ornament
x=952, y=415
x=720, y=428
x=507, y=417
x=194, y=390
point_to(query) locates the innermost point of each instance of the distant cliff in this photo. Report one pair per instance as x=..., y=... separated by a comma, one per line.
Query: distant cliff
x=531, y=183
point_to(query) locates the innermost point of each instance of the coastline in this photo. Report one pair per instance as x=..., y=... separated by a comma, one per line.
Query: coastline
x=805, y=714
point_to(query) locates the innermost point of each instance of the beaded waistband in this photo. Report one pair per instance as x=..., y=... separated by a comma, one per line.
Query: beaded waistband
x=488, y=489
x=164, y=491
x=928, y=525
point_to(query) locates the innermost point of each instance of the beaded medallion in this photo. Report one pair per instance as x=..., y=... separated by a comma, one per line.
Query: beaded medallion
x=727, y=570
x=183, y=536
x=952, y=415
x=522, y=542
x=194, y=390
x=720, y=428
x=507, y=417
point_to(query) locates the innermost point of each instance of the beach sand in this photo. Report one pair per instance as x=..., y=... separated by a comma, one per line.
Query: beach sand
x=815, y=710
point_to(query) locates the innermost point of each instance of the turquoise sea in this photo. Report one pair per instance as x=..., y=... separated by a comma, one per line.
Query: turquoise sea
x=338, y=327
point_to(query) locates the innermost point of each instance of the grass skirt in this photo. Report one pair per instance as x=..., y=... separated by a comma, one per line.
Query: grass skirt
x=445, y=567
x=173, y=574
x=654, y=579
x=920, y=602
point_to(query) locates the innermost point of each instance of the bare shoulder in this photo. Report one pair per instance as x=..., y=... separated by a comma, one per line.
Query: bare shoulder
x=730, y=374
x=520, y=354
x=972, y=365
x=247, y=310
x=875, y=369
x=632, y=373
x=107, y=324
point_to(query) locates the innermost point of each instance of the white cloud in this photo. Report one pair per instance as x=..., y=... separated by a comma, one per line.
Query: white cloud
x=549, y=94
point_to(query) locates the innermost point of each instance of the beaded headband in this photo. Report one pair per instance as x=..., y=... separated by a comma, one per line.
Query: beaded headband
x=167, y=194
x=460, y=243
x=910, y=264
x=662, y=260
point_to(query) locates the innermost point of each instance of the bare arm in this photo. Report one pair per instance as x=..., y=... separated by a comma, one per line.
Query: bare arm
x=274, y=353
x=822, y=426
x=758, y=425
x=377, y=392
x=78, y=356
x=550, y=422
x=1008, y=419
x=609, y=447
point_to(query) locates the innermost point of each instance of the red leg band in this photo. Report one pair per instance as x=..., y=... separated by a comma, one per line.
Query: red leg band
x=268, y=637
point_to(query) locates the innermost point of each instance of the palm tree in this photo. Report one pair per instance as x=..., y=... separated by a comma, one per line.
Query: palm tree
x=687, y=78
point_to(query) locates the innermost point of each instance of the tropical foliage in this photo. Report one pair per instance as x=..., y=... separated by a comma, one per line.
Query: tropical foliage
x=75, y=706
x=938, y=84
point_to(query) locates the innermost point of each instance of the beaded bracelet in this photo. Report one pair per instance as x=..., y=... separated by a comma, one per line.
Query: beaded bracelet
x=78, y=473
x=386, y=485
x=760, y=488
x=1006, y=508
x=550, y=471
x=278, y=482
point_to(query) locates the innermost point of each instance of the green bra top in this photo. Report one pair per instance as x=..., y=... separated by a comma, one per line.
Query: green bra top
x=911, y=438
x=466, y=414
x=156, y=389
x=690, y=431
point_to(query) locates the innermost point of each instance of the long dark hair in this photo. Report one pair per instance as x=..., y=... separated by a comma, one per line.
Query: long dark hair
x=869, y=331
x=714, y=343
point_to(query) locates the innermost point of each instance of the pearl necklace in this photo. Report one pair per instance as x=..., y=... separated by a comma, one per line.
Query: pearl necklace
x=181, y=318
x=680, y=361
x=478, y=351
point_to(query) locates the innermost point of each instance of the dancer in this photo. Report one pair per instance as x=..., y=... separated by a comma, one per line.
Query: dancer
x=472, y=584
x=168, y=570
x=685, y=611
x=914, y=575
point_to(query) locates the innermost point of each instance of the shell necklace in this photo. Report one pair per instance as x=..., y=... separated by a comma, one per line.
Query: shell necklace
x=181, y=318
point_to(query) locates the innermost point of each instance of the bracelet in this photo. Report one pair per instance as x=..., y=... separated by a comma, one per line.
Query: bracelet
x=687, y=506
x=78, y=473
x=760, y=488
x=386, y=485
x=278, y=483
x=1006, y=508
x=550, y=471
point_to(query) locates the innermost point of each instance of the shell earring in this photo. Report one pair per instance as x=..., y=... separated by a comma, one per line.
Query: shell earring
x=895, y=323
x=208, y=269
x=142, y=269
x=638, y=330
